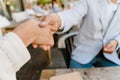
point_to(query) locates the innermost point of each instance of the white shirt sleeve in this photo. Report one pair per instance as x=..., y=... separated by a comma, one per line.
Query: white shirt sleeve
x=13, y=55
x=74, y=16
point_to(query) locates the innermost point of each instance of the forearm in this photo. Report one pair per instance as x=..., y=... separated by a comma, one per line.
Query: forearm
x=15, y=50
x=24, y=33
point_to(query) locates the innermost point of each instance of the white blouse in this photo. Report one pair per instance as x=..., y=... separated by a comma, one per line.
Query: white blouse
x=13, y=55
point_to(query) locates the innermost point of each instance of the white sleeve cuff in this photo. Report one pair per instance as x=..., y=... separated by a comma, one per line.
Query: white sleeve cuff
x=62, y=22
x=15, y=49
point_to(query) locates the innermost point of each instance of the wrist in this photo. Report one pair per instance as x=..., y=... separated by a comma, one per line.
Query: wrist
x=27, y=37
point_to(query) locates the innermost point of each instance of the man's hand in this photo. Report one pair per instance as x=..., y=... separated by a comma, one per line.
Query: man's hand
x=30, y=32
x=46, y=35
x=53, y=21
x=110, y=47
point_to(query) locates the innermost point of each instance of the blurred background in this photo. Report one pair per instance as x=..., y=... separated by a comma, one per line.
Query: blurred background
x=8, y=7
x=14, y=12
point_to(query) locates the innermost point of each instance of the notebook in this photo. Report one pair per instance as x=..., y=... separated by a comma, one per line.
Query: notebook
x=68, y=76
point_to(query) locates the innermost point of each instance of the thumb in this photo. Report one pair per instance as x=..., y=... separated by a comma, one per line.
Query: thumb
x=44, y=47
x=106, y=47
x=43, y=24
x=34, y=45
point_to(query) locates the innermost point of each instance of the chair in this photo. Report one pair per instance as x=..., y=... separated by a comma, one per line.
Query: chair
x=65, y=44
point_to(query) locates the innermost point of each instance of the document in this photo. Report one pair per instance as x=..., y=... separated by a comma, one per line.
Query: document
x=68, y=76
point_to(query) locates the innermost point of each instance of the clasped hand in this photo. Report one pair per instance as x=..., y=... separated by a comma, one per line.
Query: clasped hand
x=52, y=22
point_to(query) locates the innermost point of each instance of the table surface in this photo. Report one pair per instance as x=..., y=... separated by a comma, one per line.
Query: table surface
x=106, y=73
x=10, y=27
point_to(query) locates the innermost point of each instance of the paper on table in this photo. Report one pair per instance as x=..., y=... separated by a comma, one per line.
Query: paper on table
x=68, y=76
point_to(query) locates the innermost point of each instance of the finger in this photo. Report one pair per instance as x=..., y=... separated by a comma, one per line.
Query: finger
x=52, y=28
x=108, y=49
x=49, y=22
x=45, y=41
x=108, y=46
x=42, y=18
x=45, y=19
x=44, y=47
x=34, y=45
x=43, y=24
x=43, y=33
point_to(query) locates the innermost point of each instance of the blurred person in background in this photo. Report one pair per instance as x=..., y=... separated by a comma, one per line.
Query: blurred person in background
x=29, y=10
x=63, y=5
x=13, y=51
x=38, y=8
x=68, y=4
x=56, y=7
x=98, y=39
x=47, y=8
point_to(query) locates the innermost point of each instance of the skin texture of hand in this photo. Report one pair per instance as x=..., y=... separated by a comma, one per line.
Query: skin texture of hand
x=52, y=21
x=110, y=47
x=30, y=32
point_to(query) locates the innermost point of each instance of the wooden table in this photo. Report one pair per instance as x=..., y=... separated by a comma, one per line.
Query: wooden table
x=10, y=27
x=108, y=73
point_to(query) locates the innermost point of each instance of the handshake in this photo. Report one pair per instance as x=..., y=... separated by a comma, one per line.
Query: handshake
x=39, y=35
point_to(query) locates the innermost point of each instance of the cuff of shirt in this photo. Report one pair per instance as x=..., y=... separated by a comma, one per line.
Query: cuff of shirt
x=62, y=22
x=15, y=50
